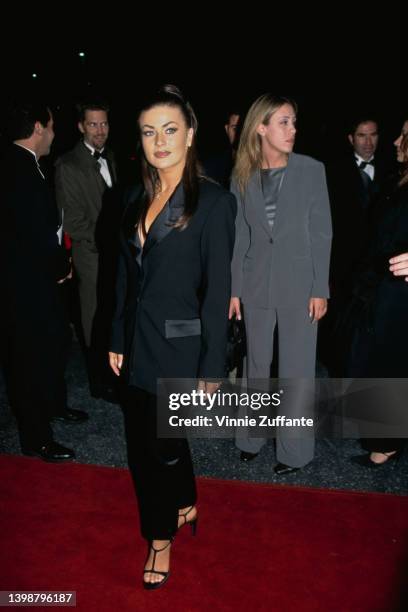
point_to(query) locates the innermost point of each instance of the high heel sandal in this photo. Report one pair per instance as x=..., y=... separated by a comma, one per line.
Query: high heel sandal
x=156, y=585
x=192, y=523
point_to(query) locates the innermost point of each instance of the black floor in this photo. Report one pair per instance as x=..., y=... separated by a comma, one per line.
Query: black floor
x=101, y=441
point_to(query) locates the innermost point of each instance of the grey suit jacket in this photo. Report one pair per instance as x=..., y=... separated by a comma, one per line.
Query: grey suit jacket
x=288, y=264
x=79, y=189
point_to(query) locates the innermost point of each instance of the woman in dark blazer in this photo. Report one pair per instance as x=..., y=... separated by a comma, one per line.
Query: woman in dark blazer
x=281, y=259
x=380, y=340
x=171, y=317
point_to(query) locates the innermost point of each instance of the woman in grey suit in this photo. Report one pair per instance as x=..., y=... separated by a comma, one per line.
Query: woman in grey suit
x=281, y=260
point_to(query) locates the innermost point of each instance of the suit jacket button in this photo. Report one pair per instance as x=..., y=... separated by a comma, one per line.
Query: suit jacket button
x=270, y=240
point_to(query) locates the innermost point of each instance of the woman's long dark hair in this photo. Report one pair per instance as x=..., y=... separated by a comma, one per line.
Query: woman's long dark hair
x=170, y=95
x=404, y=169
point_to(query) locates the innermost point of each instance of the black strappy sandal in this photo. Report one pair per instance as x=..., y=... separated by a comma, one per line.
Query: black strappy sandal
x=193, y=523
x=156, y=585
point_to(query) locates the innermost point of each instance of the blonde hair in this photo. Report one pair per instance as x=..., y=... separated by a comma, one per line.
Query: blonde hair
x=249, y=154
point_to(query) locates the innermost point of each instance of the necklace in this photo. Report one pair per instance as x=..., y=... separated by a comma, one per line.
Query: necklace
x=158, y=194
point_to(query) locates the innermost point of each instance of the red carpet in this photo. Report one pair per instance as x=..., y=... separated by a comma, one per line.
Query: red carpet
x=258, y=547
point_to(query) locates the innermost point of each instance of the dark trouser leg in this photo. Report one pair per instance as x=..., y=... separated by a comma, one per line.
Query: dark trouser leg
x=27, y=382
x=161, y=469
x=382, y=445
x=378, y=350
x=59, y=398
x=37, y=366
x=86, y=267
x=100, y=375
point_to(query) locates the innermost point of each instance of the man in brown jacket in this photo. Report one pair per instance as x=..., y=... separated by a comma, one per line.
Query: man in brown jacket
x=85, y=187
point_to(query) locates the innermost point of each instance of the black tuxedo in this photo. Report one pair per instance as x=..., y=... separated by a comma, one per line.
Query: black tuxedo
x=351, y=206
x=35, y=332
x=173, y=295
x=384, y=336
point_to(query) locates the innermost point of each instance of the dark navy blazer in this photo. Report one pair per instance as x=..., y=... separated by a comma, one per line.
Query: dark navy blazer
x=173, y=294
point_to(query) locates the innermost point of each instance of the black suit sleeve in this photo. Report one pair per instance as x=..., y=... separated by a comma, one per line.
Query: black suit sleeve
x=117, y=344
x=217, y=244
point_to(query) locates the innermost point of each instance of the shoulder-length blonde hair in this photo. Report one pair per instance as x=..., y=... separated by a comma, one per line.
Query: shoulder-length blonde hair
x=249, y=154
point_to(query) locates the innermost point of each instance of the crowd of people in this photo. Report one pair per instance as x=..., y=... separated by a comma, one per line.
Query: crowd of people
x=257, y=232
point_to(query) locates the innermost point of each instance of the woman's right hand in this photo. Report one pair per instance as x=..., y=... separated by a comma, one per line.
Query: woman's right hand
x=235, y=308
x=399, y=265
x=115, y=362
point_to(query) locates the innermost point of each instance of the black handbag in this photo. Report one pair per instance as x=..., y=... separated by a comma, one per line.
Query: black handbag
x=236, y=345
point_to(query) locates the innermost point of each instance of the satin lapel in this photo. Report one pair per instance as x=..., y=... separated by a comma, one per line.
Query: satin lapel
x=92, y=166
x=256, y=195
x=164, y=222
x=283, y=197
x=129, y=221
x=112, y=168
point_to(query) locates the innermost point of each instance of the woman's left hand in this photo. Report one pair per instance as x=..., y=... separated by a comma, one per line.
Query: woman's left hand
x=115, y=362
x=209, y=388
x=317, y=308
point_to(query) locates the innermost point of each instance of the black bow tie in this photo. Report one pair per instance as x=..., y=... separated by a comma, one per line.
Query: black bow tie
x=363, y=164
x=98, y=154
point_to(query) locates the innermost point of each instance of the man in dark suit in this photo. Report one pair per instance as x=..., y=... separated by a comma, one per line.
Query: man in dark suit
x=219, y=165
x=354, y=182
x=35, y=334
x=86, y=193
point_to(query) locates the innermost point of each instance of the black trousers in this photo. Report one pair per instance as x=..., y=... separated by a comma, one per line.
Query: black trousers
x=161, y=468
x=35, y=368
x=382, y=445
x=378, y=349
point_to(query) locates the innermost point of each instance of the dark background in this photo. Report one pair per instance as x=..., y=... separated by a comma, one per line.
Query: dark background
x=330, y=92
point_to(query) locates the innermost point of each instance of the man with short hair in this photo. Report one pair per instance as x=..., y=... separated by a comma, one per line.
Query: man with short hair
x=35, y=332
x=232, y=126
x=85, y=186
x=363, y=137
x=354, y=182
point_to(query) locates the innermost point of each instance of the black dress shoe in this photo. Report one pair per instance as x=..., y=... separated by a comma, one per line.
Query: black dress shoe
x=280, y=469
x=70, y=415
x=245, y=457
x=51, y=452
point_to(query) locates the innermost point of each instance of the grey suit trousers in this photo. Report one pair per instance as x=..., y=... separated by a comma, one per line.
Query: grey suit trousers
x=297, y=360
x=85, y=262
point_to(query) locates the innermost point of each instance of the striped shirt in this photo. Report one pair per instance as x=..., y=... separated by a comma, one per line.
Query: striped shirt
x=271, y=183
